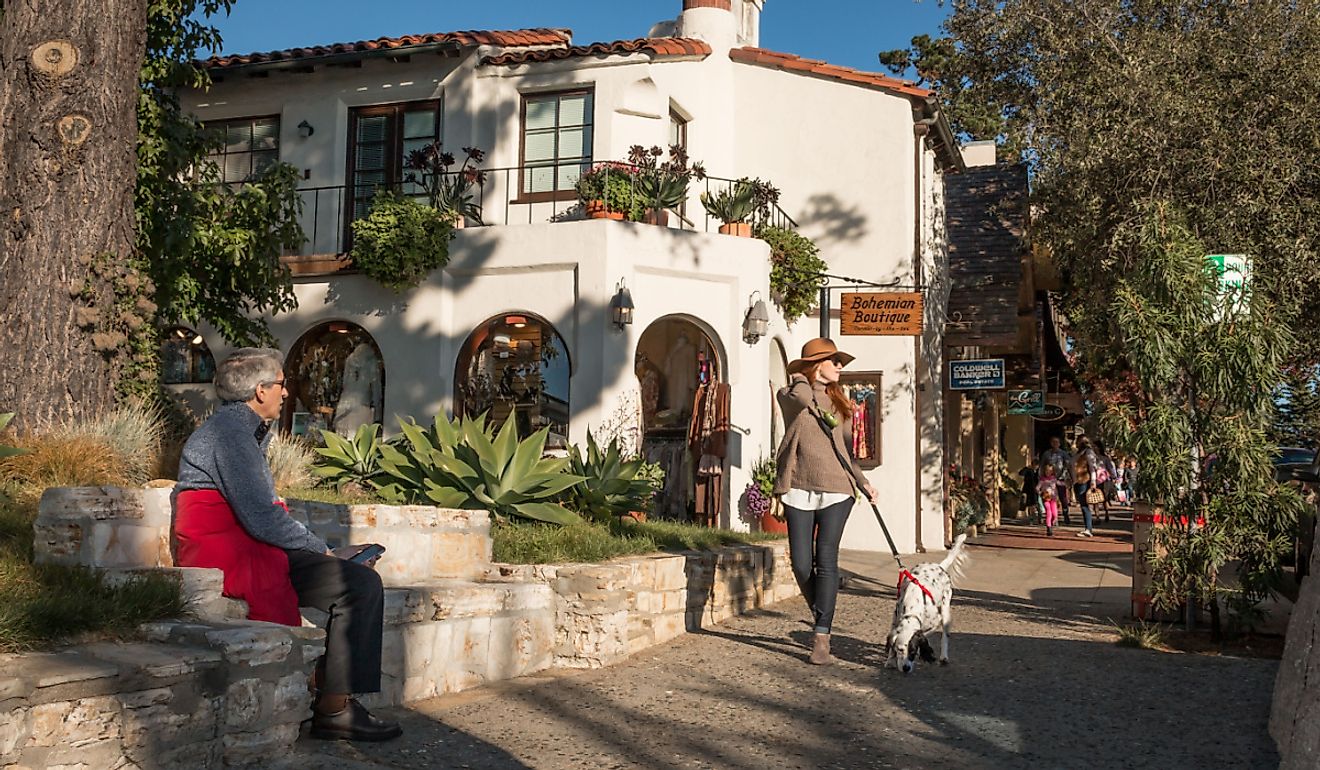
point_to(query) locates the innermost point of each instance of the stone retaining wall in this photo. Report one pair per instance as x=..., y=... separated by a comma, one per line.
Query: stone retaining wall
x=193, y=695
x=606, y=612
x=219, y=690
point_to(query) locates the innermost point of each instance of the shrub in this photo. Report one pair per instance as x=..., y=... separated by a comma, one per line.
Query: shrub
x=290, y=461
x=134, y=432
x=610, y=485
x=794, y=265
x=342, y=461
x=8, y=451
x=459, y=465
x=64, y=461
x=401, y=241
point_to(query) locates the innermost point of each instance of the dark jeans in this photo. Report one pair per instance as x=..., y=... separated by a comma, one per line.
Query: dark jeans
x=353, y=596
x=813, y=547
x=1079, y=491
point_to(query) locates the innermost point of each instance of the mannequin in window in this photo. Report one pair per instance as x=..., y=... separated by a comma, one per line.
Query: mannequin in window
x=681, y=369
x=649, y=381
x=361, y=395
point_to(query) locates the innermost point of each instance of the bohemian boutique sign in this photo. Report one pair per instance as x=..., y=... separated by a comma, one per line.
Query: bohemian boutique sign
x=881, y=314
x=977, y=374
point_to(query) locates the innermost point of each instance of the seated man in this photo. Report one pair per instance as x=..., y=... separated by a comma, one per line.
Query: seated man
x=228, y=516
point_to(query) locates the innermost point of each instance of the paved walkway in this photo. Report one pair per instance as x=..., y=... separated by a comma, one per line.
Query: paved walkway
x=1036, y=682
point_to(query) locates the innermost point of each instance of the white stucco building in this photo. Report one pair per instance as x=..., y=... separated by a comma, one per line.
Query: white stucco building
x=520, y=318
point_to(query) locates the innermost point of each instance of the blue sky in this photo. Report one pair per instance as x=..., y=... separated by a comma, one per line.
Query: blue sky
x=848, y=32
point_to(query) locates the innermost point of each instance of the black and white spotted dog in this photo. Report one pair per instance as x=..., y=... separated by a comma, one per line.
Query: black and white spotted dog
x=919, y=613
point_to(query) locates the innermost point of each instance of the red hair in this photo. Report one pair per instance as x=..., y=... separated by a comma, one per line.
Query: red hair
x=834, y=390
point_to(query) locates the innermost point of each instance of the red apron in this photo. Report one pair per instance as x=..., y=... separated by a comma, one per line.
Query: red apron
x=208, y=535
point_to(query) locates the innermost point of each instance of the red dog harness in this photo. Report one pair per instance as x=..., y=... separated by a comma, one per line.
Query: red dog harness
x=905, y=576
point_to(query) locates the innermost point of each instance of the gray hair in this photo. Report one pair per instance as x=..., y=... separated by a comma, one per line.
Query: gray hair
x=237, y=377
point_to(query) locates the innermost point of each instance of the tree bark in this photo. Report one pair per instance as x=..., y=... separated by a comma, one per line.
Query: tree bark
x=68, y=139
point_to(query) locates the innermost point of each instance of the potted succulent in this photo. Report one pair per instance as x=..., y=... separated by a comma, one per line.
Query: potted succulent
x=448, y=191
x=662, y=185
x=609, y=191
x=732, y=206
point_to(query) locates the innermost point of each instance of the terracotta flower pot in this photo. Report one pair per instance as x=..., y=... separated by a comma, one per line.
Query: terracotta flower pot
x=656, y=217
x=637, y=516
x=740, y=229
x=772, y=525
x=597, y=210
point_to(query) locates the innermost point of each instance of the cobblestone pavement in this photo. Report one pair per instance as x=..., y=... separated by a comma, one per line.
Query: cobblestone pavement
x=1036, y=682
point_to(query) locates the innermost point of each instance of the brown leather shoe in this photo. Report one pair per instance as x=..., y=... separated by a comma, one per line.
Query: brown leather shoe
x=354, y=723
x=820, y=650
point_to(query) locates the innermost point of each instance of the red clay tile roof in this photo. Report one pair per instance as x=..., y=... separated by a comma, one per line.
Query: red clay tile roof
x=517, y=37
x=656, y=47
x=790, y=63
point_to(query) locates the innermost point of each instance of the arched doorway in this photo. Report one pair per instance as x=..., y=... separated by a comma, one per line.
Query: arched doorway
x=336, y=379
x=516, y=363
x=778, y=379
x=685, y=407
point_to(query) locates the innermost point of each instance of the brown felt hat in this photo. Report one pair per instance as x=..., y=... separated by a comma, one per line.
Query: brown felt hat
x=818, y=349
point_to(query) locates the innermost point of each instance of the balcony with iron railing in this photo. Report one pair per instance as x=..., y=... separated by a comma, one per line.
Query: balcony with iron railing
x=502, y=198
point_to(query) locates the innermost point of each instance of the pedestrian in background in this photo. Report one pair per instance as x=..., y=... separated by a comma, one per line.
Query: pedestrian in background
x=1085, y=464
x=1106, y=477
x=817, y=476
x=1062, y=461
x=1048, y=486
x=1030, y=492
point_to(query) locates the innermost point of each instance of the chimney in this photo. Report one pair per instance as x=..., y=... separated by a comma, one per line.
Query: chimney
x=711, y=21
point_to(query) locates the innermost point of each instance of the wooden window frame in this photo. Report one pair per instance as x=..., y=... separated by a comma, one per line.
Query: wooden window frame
x=393, y=145
x=222, y=153
x=874, y=379
x=676, y=119
x=554, y=195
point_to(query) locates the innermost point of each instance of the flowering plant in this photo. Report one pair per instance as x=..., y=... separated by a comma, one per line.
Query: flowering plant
x=971, y=502
x=757, y=502
x=615, y=185
x=448, y=190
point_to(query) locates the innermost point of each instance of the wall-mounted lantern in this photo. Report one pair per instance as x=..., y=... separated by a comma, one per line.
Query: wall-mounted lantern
x=305, y=129
x=621, y=306
x=757, y=322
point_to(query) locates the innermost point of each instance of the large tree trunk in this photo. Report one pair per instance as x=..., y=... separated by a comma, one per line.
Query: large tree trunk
x=68, y=138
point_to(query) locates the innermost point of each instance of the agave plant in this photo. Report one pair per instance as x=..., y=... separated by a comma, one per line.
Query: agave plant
x=610, y=486
x=9, y=451
x=344, y=461
x=459, y=465
x=733, y=204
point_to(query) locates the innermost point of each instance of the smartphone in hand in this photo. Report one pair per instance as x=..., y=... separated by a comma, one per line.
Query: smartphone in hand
x=366, y=554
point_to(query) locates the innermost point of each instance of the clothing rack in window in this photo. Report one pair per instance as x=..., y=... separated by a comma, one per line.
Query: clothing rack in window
x=863, y=390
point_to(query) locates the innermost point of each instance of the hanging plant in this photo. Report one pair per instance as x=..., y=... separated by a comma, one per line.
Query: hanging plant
x=794, y=260
x=401, y=241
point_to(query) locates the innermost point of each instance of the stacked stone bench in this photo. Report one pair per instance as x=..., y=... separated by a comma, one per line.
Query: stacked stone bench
x=453, y=621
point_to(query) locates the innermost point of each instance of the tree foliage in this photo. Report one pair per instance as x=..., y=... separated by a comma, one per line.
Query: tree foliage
x=1206, y=104
x=211, y=250
x=1205, y=365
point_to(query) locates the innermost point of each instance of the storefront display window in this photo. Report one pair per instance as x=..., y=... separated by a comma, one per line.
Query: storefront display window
x=184, y=357
x=336, y=380
x=863, y=389
x=516, y=364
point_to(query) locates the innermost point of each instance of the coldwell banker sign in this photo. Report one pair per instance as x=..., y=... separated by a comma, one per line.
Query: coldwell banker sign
x=977, y=374
x=881, y=314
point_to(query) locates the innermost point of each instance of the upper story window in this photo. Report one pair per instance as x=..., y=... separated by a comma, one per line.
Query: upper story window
x=678, y=130
x=248, y=147
x=556, y=142
x=381, y=138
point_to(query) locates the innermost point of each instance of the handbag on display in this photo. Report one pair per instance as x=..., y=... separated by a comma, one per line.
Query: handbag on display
x=1094, y=496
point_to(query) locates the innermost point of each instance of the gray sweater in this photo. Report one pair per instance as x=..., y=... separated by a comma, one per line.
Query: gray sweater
x=228, y=454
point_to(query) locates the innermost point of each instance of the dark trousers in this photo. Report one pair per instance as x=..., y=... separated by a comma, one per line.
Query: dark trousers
x=355, y=600
x=813, y=547
x=1079, y=491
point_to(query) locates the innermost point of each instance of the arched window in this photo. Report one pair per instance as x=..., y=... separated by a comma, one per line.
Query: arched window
x=336, y=380
x=184, y=357
x=515, y=364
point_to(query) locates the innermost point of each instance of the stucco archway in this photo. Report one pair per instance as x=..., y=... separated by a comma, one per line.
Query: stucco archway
x=518, y=364
x=336, y=380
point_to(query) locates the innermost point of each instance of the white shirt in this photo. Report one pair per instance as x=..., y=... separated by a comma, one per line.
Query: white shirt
x=806, y=500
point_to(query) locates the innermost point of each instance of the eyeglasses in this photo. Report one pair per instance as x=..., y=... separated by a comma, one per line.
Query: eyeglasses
x=275, y=383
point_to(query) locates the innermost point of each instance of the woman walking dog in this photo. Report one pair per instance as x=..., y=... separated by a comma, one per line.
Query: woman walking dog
x=816, y=477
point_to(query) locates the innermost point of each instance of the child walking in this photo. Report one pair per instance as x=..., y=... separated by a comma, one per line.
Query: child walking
x=1049, y=497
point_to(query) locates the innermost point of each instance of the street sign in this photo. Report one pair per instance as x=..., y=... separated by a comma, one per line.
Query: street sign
x=1050, y=413
x=1234, y=271
x=1026, y=402
x=977, y=374
x=890, y=314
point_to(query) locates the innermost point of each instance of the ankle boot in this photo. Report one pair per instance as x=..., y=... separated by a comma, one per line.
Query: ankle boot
x=820, y=650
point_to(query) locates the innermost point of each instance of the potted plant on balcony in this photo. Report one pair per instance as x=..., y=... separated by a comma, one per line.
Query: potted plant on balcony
x=609, y=191
x=732, y=206
x=448, y=191
x=662, y=185
x=401, y=240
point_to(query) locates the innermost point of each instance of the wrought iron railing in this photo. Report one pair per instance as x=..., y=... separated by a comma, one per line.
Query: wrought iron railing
x=503, y=197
